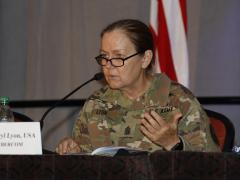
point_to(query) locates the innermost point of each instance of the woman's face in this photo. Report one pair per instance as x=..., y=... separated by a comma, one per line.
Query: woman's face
x=117, y=44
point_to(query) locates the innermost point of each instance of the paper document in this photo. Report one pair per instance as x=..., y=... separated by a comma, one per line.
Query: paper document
x=116, y=150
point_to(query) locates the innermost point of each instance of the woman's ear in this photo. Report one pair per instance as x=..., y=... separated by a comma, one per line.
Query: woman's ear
x=147, y=58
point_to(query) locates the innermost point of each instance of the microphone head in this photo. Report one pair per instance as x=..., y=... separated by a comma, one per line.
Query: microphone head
x=98, y=76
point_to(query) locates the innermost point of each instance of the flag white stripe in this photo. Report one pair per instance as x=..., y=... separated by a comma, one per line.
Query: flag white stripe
x=154, y=25
x=177, y=37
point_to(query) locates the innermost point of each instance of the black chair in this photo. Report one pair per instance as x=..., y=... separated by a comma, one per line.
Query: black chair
x=19, y=117
x=223, y=129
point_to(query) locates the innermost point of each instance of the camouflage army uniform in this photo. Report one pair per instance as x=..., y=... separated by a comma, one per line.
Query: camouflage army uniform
x=109, y=118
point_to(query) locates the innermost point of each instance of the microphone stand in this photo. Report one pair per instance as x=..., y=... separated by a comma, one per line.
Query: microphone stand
x=97, y=77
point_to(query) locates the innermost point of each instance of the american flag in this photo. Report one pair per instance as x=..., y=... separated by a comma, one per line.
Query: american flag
x=168, y=22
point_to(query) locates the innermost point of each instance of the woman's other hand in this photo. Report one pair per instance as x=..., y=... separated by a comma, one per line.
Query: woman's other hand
x=67, y=145
x=159, y=131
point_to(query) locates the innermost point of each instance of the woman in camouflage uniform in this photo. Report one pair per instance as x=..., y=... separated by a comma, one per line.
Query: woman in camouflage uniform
x=137, y=108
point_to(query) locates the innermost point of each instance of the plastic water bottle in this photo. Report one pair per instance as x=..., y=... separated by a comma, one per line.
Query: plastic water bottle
x=6, y=114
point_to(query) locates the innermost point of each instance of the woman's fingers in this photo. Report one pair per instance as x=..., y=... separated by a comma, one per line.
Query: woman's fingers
x=158, y=118
x=158, y=130
x=147, y=125
x=153, y=120
x=67, y=145
x=176, y=118
x=146, y=132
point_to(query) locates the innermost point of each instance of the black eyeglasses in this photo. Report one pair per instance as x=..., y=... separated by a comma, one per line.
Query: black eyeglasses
x=116, y=62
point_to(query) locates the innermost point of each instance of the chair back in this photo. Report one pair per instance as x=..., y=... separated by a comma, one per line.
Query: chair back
x=19, y=117
x=223, y=130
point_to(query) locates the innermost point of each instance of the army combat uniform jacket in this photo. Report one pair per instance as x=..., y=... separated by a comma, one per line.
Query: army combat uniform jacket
x=109, y=118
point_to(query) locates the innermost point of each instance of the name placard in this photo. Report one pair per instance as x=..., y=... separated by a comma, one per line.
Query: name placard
x=20, y=138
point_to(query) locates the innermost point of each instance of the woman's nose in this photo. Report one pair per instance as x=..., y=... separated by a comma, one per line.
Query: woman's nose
x=109, y=65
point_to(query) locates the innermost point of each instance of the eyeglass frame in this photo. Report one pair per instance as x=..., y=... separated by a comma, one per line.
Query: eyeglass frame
x=123, y=59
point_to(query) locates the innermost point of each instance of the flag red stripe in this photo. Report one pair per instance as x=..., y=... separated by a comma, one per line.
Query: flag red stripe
x=183, y=6
x=163, y=45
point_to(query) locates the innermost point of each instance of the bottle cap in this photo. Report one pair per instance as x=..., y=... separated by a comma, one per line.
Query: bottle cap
x=236, y=149
x=4, y=100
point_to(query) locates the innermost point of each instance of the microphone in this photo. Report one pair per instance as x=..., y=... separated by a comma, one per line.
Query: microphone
x=96, y=77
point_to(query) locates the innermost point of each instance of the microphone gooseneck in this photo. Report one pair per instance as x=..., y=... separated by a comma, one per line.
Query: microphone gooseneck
x=97, y=77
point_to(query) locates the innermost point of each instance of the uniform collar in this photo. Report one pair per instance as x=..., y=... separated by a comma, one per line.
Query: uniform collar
x=156, y=95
